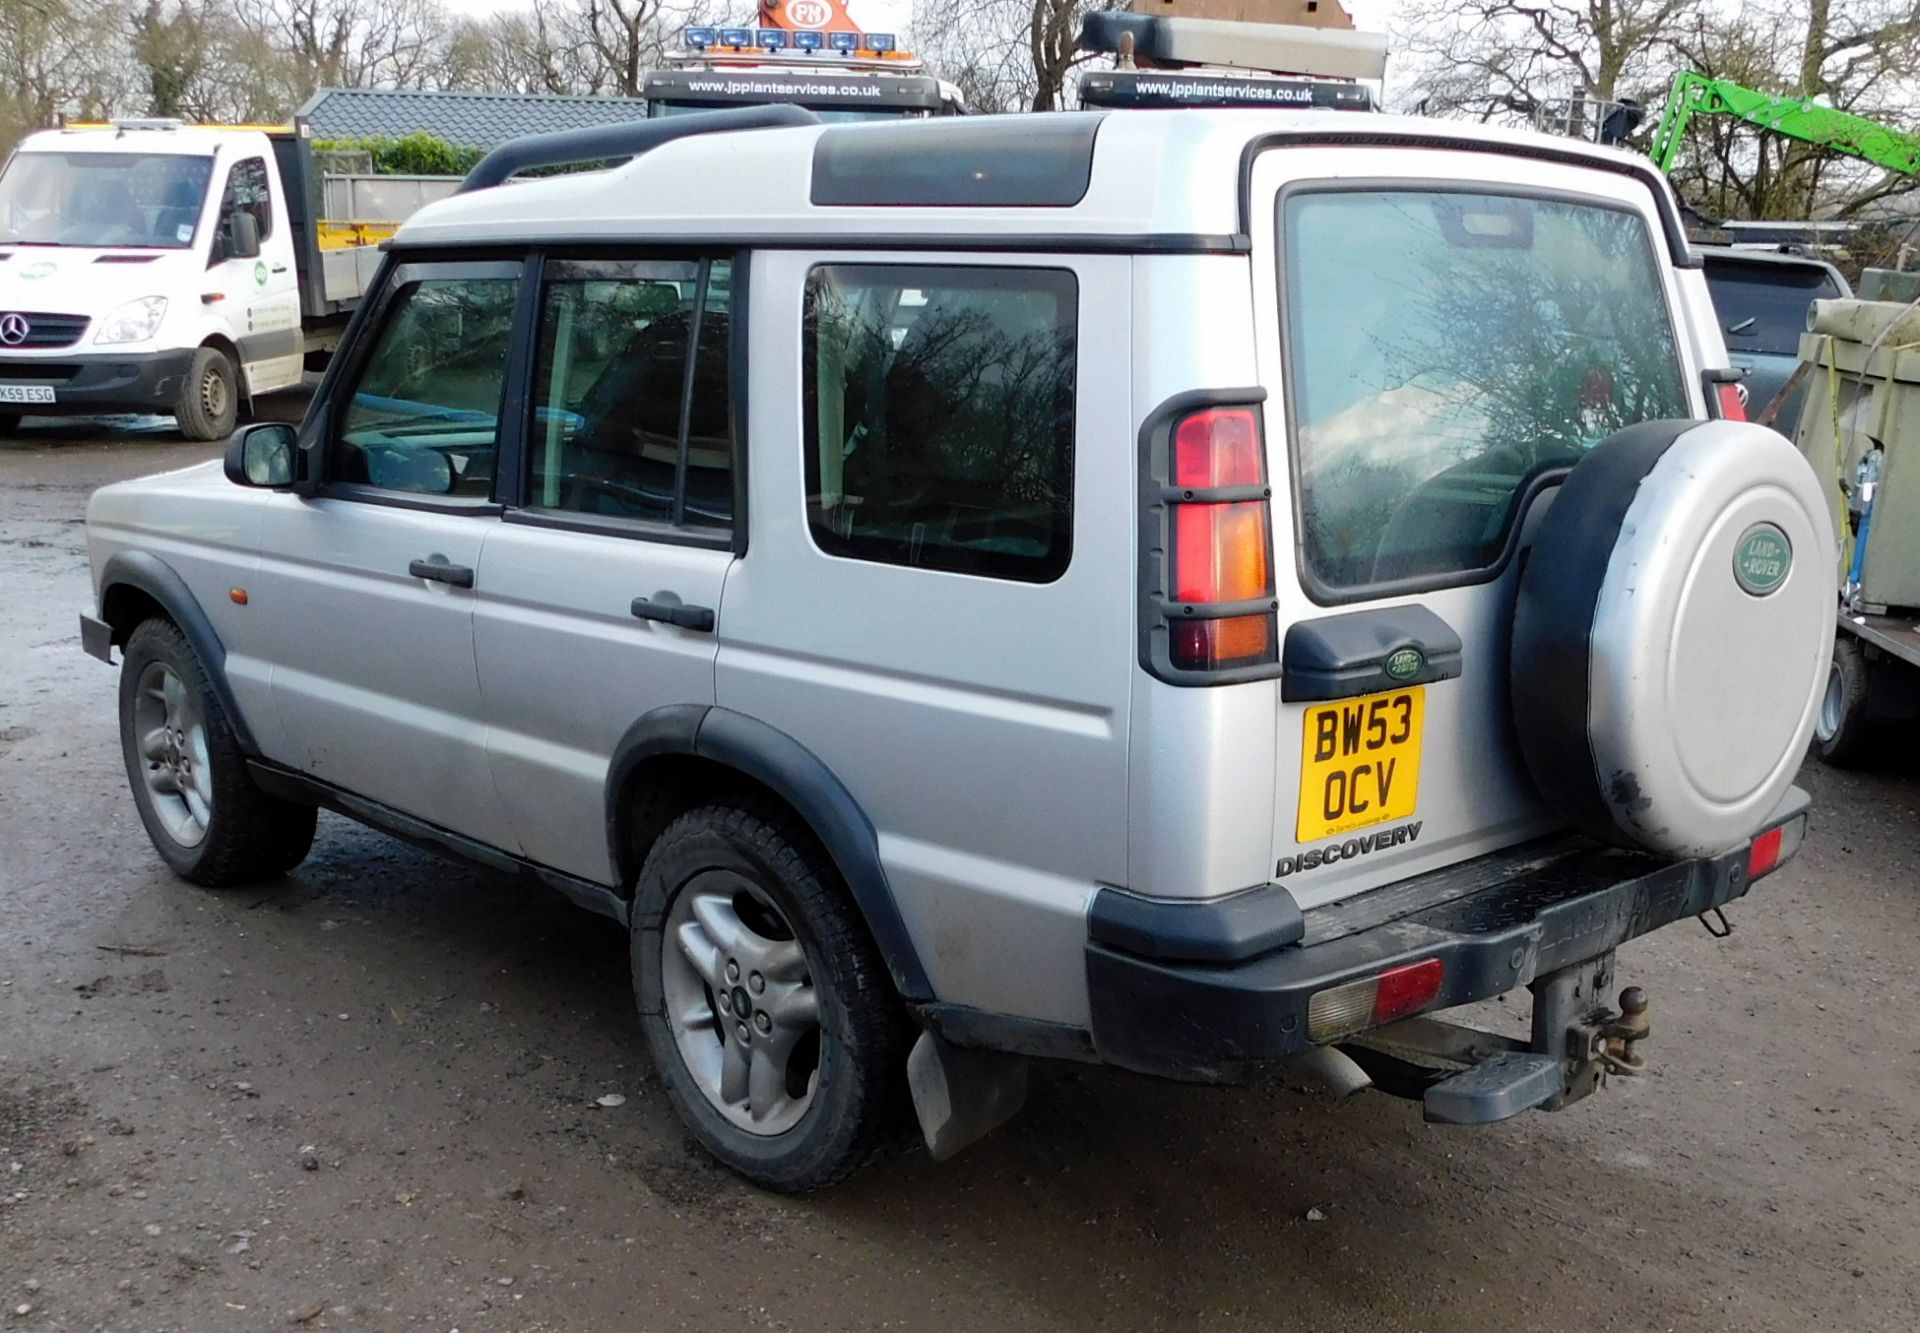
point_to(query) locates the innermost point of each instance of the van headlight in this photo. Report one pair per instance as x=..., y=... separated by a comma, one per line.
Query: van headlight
x=133, y=322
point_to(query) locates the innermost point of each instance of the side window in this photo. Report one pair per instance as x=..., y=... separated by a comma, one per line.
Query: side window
x=424, y=415
x=939, y=416
x=631, y=403
x=247, y=193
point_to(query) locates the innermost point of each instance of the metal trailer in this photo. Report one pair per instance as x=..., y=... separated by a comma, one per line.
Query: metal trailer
x=1860, y=425
x=339, y=220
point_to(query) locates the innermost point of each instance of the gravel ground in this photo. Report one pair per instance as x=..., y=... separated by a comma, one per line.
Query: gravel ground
x=365, y=1098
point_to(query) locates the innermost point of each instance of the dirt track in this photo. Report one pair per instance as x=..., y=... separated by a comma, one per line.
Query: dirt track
x=366, y=1097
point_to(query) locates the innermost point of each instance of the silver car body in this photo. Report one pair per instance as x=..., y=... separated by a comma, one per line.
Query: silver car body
x=1003, y=739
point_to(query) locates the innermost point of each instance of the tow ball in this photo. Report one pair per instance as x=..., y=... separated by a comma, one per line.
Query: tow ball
x=1617, y=1039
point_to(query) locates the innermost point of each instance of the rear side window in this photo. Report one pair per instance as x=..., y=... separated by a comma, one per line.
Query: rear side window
x=1763, y=307
x=939, y=416
x=1445, y=348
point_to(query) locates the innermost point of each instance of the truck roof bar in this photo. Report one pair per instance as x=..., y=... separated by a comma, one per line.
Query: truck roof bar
x=598, y=143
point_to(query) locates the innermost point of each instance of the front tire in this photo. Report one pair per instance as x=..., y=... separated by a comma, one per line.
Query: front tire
x=209, y=402
x=1841, y=732
x=206, y=818
x=769, y=1012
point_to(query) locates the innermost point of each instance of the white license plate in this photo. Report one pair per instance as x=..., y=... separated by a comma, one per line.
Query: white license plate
x=25, y=393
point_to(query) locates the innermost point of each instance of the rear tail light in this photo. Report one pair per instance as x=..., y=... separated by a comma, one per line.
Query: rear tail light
x=1775, y=847
x=1342, y=1010
x=1221, y=586
x=1733, y=402
x=1726, y=395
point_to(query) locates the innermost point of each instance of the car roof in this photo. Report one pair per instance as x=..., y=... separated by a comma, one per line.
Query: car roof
x=977, y=179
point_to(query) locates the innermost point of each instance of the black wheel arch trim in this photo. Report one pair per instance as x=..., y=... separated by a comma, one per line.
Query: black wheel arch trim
x=149, y=574
x=794, y=773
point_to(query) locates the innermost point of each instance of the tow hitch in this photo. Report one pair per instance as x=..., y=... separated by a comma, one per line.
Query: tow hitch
x=1464, y=1076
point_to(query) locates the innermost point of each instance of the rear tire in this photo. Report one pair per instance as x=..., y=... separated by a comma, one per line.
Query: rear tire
x=209, y=401
x=740, y=924
x=206, y=818
x=1841, y=732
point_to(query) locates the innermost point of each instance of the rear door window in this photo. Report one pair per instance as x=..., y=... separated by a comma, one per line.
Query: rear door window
x=632, y=378
x=1762, y=307
x=1446, y=347
x=939, y=416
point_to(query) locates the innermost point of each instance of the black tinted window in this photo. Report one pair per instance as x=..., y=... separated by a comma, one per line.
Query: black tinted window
x=631, y=392
x=424, y=416
x=940, y=416
x=1763, y=307
x=1445, y=348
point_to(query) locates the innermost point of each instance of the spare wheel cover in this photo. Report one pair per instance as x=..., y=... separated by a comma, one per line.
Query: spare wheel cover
x=1672, y=634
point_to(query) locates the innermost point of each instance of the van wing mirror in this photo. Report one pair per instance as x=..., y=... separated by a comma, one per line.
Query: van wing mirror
x=243, y=236
x=262, y=455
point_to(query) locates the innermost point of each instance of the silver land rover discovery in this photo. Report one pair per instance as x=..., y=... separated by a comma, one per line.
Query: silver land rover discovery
x=1198, y=591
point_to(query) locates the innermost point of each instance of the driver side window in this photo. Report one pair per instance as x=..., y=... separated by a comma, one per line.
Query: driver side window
x=424, y=415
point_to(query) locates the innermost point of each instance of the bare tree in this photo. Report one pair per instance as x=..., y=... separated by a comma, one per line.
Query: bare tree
x=1007, y=55
x=1862, y=62
x=351, y=43
x=58, y=57
x=1506, y=59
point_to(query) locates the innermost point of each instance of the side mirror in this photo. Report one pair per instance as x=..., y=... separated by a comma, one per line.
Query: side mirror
x=243, y=236
x=262, y=455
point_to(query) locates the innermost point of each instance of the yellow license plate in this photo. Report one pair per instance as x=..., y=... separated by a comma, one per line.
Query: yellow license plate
x=1359, y=763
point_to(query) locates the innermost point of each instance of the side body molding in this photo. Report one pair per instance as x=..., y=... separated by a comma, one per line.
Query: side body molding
x=147, y=573
x=794, y=773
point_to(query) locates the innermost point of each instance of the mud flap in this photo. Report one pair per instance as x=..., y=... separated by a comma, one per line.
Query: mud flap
x=960, y=1095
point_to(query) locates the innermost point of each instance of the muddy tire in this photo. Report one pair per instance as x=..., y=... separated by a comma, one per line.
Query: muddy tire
x=1842, y=736
x=209, y=822
x=209, y=401
x=769, y=1011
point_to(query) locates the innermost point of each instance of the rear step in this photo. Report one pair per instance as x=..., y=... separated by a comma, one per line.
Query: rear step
x=1498, y=1089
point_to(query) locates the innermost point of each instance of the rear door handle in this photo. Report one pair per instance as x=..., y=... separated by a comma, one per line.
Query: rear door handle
x=698, y=618
x=279, y=268
x=439, y=570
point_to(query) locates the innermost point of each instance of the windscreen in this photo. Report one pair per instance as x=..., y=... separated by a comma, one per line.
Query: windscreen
x=1763, y=307
x=136, y=200
x=1447, y=347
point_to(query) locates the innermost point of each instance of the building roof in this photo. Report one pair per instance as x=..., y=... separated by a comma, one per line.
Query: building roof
x=467, y=120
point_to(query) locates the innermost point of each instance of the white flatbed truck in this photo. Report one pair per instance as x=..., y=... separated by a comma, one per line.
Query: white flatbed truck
x=155, y=266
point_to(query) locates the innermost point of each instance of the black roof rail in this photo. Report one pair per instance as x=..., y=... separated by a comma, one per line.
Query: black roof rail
x=597, y=143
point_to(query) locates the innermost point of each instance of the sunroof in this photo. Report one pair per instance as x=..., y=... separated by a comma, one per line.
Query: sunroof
x=1012, y=162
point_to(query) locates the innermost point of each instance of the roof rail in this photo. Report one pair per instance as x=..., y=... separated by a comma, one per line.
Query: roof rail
x=597, y=143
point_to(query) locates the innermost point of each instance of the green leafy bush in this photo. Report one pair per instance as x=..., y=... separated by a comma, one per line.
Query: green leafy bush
x=416, y=154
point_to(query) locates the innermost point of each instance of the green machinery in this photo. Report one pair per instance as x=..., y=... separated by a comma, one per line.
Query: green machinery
x=1797, y=117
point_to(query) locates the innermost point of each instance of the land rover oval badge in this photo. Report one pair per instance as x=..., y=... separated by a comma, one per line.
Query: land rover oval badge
x=1762, y=558
x=1405, y=663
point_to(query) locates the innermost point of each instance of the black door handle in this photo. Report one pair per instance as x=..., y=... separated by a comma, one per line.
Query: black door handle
x=686, y=617
x=279, y=268
x=437, y=568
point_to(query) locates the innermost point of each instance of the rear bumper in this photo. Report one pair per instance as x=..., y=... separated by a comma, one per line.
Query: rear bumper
x=1496, y=924
x=131, y=382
